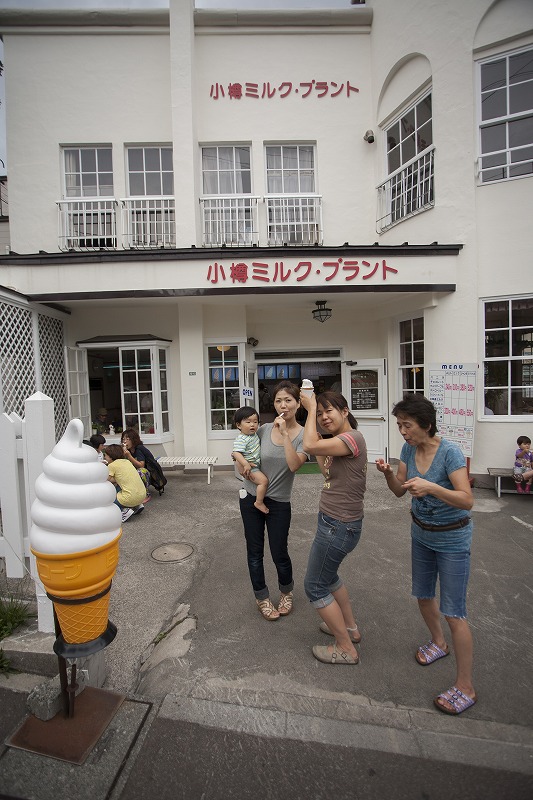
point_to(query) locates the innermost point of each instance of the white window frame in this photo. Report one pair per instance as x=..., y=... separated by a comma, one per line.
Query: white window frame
x=83, y=190
x=409, y=189
x=234, y=171
x=294, y=215
x=230, y=432
x=145, y=172
x=518, y=418
x=413, y=364
x=505, y=154
x=228, y=217
x=154, y=345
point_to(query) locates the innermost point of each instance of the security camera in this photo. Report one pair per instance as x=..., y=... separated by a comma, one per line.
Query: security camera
x=369, y=137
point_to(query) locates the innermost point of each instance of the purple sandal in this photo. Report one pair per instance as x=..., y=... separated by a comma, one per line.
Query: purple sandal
x=431, y=653
x=459, y=701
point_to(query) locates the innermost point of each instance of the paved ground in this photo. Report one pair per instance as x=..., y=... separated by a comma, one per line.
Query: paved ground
x=226, y=702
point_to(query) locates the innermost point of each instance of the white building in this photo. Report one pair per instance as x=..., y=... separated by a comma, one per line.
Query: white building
x=185, y=186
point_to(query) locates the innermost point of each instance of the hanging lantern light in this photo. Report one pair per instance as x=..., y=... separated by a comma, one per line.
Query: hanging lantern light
x=321, y=313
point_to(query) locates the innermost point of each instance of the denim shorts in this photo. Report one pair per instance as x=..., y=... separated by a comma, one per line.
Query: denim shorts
x=452, y=570
x=333, y=541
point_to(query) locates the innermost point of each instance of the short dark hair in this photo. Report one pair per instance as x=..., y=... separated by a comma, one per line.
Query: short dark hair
x=133, y=436
x=338, y=401
x=523, y=440
x=420, y=409
x=96, y=440
x=243, y=413
x=114, y=451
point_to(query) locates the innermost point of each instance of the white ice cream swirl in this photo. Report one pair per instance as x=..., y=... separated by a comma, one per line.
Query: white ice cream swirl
x=74, y=510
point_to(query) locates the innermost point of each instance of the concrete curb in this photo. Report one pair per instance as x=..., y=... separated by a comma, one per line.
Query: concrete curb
x=354, y=721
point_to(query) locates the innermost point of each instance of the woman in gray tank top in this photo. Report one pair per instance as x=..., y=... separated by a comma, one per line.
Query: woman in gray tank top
x=281, y=455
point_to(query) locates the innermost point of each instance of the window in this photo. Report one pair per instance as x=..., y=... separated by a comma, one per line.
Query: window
x=224, y=389
x=409, y=188
x=149, y=211
x=508, y=356
x=85, y=223
x=226, y=170
x=150, y=171
x=506, y=127
x=229, y=210
x=412, y=356
x=131, y=382
x=88, y=172
x=293, y=208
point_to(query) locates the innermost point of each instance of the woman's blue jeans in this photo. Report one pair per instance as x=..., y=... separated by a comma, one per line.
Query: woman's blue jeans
x=332, y=543
x=277, y=523
x=452, y=569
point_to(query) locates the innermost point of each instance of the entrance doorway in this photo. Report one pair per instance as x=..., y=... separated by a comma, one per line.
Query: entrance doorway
x=363, y=383
x=325, y=375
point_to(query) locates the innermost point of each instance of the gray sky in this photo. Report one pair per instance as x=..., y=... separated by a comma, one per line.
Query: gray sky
x=125, y=4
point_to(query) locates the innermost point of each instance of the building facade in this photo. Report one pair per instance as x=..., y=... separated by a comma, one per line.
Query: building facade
x=211, y=201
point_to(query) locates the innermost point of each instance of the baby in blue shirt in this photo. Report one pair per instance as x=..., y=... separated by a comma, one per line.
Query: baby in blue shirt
x=247, y=452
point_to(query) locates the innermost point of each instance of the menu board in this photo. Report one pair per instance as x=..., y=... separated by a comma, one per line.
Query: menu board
x=452, y=390
x=364, y=389
x=364, y=399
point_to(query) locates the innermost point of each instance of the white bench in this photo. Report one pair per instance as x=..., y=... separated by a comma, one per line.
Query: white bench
x=498, y=473
x=190, y=461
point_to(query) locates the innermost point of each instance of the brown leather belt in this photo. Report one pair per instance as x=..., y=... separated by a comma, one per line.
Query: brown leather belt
x=461, y=523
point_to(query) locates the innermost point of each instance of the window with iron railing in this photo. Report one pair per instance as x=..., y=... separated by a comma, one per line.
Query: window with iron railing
x=229, y=211
x=293, y=208
x=294, y=219
x=230, y=221
x=87, y=224
x=87, y=213
x=148, y=214
x=506, y=125
x=409, y=187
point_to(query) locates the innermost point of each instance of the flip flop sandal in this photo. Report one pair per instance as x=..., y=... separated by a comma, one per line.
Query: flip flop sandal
x=285, y=604
x=267, y=610
x=355, y=636
x=321, y=653
x=457, y=699
x=431, y=653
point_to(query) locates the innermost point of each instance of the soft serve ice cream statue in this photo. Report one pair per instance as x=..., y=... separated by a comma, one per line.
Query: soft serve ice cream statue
x=74, y=535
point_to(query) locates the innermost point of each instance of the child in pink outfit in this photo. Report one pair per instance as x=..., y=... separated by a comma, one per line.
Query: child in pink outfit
x=523, y=465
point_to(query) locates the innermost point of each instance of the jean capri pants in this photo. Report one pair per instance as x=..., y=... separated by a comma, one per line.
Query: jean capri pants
x=333, y=541
x=452, y=570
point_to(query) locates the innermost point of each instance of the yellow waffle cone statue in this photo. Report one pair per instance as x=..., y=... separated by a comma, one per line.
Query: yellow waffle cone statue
x=74, y=535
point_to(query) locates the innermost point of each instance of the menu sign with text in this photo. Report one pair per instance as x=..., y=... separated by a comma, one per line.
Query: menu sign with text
x=452, y=390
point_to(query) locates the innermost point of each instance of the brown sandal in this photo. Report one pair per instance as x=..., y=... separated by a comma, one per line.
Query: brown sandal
x=285, y=604
x=267, y=610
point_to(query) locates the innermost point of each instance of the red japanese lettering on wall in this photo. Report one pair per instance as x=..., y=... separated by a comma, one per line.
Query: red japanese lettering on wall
x=276, y=272
x=266, y=90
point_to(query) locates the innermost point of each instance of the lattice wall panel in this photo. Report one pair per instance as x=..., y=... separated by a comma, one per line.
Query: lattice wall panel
x=17, y=358
x=53, y=376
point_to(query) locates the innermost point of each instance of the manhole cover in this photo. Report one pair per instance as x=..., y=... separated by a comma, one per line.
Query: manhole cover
x=173, y=551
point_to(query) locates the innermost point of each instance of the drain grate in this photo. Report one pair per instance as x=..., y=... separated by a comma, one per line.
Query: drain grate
x=173, y=551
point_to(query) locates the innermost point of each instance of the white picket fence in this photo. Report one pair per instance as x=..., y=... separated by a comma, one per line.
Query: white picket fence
x=24, y=444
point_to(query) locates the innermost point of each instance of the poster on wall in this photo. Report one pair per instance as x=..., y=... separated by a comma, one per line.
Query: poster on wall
x=452, y=390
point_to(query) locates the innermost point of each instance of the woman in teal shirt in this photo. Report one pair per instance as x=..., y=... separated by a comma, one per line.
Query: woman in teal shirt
x=433, y=471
